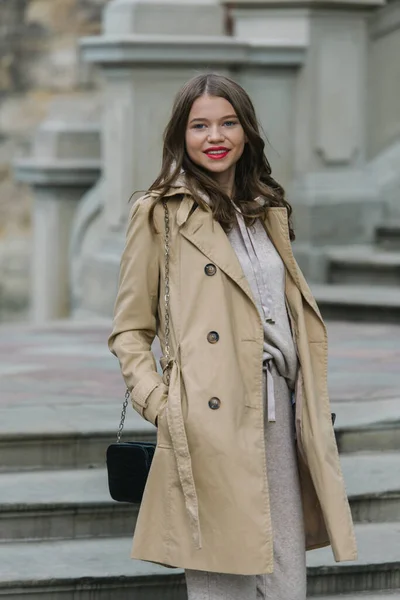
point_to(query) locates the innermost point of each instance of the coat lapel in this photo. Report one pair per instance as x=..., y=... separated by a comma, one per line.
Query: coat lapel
x=276, y=224
x=209, y=237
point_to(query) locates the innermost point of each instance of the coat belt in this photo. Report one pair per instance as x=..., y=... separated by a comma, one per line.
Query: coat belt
x=180, y=447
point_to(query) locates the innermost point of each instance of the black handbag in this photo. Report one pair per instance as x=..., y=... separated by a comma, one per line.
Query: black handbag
x=128, y=463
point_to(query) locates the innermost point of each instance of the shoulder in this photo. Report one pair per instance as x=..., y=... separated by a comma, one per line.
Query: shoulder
x=140, y=210
x=141, y=205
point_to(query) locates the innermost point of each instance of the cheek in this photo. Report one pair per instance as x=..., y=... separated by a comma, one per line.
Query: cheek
x=189, y=143
x=193, y=144
x=241, y=140
x=240, y=144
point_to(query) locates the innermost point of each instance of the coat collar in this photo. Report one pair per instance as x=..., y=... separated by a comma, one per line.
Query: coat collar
x=209, y=237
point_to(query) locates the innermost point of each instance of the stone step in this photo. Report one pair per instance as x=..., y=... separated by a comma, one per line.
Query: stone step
x=61, y=504
x=390, y=595
x=373, y=485
x=63, y=437
x=363, y=265
x=374, y=437
x=101, y=569
x=76, y=503
x=376, y=569
x=73, y=450
x=368, y=303
x=387, y=236
x=367, y=425
x=87, y=569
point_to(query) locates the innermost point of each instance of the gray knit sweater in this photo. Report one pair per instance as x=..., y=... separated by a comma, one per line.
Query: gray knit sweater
x=265, y=272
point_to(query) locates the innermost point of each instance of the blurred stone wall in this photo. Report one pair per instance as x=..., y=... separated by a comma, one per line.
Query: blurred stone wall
x=39, y=63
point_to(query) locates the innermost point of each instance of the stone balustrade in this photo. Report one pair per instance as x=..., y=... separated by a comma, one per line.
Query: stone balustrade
x=64, y=165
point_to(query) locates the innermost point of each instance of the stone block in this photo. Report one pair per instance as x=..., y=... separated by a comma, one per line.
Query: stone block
x=386, y=171
x=14, y=276
x=336, y=208
x=276, y=26
x=20, y=114
x=11, y=28
x=177, y=17
x=55, y=140
x=384, y=79
x=99, y=278
x=55, y=67
x=79, y=17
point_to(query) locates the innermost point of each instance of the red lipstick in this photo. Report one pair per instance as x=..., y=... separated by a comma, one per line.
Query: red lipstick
x=216, y=152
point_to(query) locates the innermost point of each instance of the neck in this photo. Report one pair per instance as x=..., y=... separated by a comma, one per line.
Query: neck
x=226, y=181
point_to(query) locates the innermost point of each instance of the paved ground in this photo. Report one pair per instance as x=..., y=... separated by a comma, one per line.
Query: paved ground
x=364, y=361
x=94, y=557
x=62, y=378
x=69, y=363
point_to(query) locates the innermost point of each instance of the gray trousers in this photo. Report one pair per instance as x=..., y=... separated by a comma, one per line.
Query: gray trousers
x=288, y=580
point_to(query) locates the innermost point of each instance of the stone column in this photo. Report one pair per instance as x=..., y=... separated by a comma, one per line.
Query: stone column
x=65, y=163
x=335, y=197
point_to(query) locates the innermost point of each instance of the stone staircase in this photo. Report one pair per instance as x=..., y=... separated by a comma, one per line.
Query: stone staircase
x=363, y=281
x=62, y=537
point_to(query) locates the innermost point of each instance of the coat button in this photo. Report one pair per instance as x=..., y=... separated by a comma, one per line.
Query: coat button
x=214, y=403
x=210, y=269
x=213, y=337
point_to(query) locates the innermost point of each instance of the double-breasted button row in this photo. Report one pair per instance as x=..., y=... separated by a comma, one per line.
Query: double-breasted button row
x=214, y=403
x=213, y=337
x=210, y=269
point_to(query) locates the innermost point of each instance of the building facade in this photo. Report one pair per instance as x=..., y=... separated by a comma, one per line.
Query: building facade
x=325, y=79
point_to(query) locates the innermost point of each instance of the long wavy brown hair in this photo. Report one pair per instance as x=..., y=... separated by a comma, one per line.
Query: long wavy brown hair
x=253, y=172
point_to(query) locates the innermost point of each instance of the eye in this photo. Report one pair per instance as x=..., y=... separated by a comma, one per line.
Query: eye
x=230, y=123
x=198, y=125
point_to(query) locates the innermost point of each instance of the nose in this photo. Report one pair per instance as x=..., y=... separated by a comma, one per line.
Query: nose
x=215, y=134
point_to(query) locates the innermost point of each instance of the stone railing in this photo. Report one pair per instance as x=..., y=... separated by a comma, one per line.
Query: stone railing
x=64, y=165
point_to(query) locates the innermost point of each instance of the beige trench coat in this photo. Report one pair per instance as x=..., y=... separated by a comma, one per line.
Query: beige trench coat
x=206, y=503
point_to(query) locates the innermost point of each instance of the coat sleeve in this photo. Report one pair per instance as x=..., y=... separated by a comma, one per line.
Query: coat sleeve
x=135, y=316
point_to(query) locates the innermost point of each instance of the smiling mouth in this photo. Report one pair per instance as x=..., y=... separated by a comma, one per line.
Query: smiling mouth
x=217, y=154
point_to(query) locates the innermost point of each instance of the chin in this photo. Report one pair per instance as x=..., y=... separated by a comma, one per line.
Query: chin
x=217, y=168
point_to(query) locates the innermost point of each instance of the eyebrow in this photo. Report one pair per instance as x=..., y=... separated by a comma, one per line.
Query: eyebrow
x=222, y=119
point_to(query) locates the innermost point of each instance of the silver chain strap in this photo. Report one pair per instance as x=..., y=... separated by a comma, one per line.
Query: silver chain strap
x=166, y=333
x=123, y=415
x=166, y=295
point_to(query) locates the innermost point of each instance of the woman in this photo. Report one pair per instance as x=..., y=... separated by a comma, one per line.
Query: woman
x=241, y=483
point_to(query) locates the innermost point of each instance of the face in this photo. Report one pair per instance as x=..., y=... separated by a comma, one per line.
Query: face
x=214, y=137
